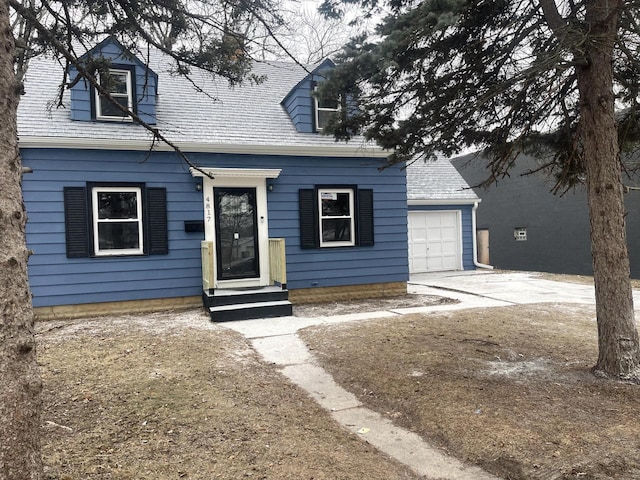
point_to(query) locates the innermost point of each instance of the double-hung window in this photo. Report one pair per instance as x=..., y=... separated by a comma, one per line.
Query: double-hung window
x=325, y=109
x=109, y=220
x=117, y=220
x=118, y=83
x=337, y=217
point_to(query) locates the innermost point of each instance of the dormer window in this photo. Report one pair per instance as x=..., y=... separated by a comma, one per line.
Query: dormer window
x=325, y=109
x=119, y=84
x=126, y=78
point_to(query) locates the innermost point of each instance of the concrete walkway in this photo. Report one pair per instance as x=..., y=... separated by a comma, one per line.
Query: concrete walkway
x=276, y=340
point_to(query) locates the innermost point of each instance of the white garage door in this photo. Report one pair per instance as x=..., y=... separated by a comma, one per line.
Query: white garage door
x=434, y=241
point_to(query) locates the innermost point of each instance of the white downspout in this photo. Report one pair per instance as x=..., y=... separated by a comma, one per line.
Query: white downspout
x=475, y=240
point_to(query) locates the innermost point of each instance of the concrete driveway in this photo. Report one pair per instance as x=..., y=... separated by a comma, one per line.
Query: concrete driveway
x=505, y=286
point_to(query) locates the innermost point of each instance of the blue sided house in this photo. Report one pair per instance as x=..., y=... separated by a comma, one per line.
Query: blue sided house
x=269, y=212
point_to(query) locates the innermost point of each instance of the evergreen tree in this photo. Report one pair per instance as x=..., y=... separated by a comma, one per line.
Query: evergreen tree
x=214, y=35
x=558, y=79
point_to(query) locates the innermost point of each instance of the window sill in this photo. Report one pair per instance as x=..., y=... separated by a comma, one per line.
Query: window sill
x=119, y=254
x=337, y=244
x=126, y=119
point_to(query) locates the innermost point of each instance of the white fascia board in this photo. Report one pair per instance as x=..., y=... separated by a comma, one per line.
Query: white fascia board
x=235, y=172
x=198, y=147
x=444, y=201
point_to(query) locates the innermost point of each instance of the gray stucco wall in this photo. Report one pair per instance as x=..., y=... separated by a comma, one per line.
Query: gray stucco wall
x=557, y=226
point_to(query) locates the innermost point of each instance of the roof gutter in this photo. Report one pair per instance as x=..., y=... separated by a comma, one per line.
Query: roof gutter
x=333, y=150
x=443, y=201
x=475, y=240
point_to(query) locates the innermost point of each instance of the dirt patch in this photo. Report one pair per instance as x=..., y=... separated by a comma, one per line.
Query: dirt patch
x=171, y=395
x=506, y=388
x=370, y=305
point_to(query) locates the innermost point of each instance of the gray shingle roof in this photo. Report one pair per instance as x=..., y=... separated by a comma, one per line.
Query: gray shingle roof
x=437, y=181
x=245, y=115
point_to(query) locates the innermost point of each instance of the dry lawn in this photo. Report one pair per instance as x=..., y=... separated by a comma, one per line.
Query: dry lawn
x=171, y=396
x=328, y=309
x=506, y=388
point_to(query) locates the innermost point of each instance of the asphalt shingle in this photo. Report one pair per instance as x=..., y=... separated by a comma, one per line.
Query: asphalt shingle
x=249, y=115
x=437, y=180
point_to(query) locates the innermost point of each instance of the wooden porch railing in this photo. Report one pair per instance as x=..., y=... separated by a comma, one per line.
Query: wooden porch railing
x=206, y=249
x=277, y=262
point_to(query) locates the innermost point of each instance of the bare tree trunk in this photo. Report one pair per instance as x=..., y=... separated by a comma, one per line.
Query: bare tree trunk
x=619, y=350
x=20, y=388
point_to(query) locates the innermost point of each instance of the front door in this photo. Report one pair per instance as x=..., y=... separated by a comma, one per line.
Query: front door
x=236, y=233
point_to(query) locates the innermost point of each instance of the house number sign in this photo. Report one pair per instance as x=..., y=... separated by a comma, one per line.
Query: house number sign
x=207, y=209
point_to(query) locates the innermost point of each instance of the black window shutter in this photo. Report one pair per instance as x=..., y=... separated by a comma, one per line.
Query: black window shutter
x=76, y=225
x=308, y=219
x=156, y=221
x=365, y=218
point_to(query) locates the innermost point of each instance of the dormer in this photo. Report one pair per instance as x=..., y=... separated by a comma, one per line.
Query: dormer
x=130, y=81
x=308, y=113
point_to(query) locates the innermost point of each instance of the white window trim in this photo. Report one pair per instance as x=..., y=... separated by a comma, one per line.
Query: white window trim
x=351, y=217
x=96, y=240
x=318, y=109
x=129, y=95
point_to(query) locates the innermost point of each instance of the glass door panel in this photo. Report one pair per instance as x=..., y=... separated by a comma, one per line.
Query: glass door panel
x=236, y=233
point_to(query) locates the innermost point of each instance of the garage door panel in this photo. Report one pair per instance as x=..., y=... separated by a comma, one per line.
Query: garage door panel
x=419, y=235
x=434, y=241
x=449, y=235
x=434, y=234
x=449, y=220
x=449, y=249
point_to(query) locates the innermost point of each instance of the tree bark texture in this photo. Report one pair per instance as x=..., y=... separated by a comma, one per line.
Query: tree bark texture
x=20, y=386
x=619, y=350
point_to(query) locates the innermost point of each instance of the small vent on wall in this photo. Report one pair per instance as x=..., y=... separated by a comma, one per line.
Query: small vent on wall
x=520, y=234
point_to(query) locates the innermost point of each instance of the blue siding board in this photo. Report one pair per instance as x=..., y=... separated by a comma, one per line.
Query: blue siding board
x=104, y=296
x=299, y=106
x=112, y=49
x=42, y=227
x=81, y=115
x=83, y=105
x=354, y=267
x=63, y=266
x=117, y=286
x=59, y=264
x=121, y=276
x=81, y=95
x=57, y=280
x=336, y=282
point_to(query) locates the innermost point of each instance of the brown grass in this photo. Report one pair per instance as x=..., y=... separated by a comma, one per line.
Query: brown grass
x=506, y=388
x=170, y=396
x=369, y=305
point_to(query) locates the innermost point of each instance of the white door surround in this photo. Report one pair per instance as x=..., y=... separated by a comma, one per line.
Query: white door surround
x=238, y=178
